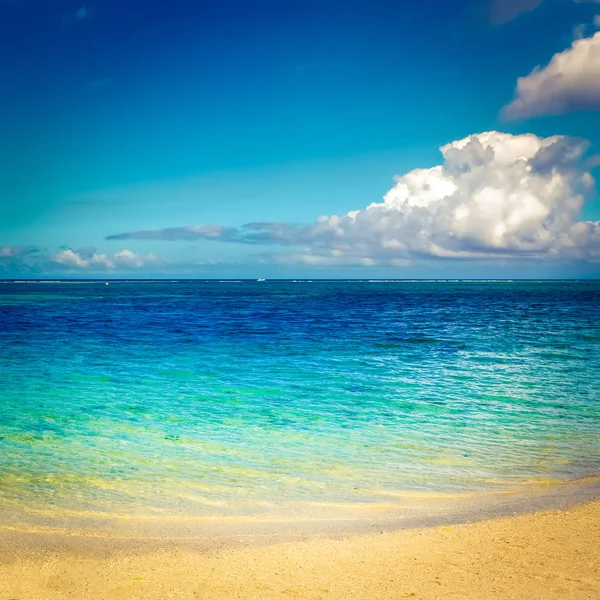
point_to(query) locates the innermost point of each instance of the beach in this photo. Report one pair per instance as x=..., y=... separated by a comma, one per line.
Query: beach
x=332, y=439
x=551, y=554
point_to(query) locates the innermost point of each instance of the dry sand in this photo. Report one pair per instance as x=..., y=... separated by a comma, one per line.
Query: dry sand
x=546, y=555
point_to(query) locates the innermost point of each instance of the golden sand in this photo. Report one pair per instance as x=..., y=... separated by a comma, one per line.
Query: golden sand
x=546, y=555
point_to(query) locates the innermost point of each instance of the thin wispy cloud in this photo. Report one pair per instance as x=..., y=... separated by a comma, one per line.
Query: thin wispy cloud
x=14, y=251
x=593, y=161
x=250, y=233
x=503, y=11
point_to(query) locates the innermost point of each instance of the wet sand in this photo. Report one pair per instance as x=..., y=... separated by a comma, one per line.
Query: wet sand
x=551, y=554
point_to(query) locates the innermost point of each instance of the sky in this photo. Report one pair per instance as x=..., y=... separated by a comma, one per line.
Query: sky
x=296, y=138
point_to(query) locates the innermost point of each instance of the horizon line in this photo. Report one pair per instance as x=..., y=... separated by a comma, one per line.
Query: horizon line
x=291, y=280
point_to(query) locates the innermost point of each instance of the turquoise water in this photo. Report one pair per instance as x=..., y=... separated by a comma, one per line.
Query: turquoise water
x=219, y=398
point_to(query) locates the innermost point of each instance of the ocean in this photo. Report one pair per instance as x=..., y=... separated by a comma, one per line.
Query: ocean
x=220, y=398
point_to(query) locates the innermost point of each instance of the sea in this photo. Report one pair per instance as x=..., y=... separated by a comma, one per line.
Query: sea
x=224, y=398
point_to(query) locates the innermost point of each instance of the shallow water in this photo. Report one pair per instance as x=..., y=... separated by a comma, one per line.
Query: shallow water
x=215, y=398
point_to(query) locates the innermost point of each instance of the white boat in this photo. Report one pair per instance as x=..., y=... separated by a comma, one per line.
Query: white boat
x=260, y=279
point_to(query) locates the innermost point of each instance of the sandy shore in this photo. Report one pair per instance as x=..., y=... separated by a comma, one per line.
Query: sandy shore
x=545, y=555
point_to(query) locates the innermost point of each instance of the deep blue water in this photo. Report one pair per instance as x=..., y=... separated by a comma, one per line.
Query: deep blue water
x=219, y=398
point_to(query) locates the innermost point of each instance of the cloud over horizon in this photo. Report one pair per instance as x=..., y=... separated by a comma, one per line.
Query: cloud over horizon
x=570, y=82
x=90, y=259
x=495, y=195
x=31, y=261
x=14, y=251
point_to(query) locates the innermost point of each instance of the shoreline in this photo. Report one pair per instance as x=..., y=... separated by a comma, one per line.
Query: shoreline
x=74, y=531
x=549, y=554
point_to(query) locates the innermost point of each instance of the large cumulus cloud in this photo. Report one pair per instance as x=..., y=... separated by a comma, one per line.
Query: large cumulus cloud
x=495, y=195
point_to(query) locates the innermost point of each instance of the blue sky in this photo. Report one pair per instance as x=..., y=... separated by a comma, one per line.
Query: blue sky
x=128, y=117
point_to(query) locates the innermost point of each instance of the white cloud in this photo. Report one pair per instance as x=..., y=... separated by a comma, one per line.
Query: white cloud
x=495, y=195
x=96, y=261
x=570, y=82
x=127, y=258
x=69, y=258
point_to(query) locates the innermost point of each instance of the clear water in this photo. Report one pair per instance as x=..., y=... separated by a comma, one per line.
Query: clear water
x=214, y=398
